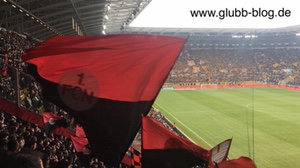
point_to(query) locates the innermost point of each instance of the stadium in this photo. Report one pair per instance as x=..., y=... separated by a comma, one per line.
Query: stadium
x=234, y=90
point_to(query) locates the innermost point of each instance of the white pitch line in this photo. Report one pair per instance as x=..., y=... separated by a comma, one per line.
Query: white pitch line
x=247, y=106
x=185, y=126
x=205, y=111
x=252, y=108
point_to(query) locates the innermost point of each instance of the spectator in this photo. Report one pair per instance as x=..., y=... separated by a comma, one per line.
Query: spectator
x=13, y=147
x=24, y=159
x=3, y=148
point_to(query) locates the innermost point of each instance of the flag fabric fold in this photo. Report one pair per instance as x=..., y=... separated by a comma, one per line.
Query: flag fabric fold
x=105, y=82
x=162, y=148
x=79, y=143
x=79, y=132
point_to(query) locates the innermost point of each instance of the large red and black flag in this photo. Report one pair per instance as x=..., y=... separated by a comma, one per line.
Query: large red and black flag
x=163, y=148
x=105, y=83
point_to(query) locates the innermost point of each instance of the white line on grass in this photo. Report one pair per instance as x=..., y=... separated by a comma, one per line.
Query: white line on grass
x=252, y=108
x=207, y=111
x=184, y=126
x=247, y=106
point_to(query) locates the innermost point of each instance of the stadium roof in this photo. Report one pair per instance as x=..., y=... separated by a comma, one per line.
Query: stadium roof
x=42, y=19
x=45, y=18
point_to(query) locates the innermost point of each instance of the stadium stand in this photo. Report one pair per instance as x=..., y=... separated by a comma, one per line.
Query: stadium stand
x=232, y=66
x=18, y=87
x=29, y=140
x=205, y=66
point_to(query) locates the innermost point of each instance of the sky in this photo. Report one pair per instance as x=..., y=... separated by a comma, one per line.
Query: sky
x=228, y=14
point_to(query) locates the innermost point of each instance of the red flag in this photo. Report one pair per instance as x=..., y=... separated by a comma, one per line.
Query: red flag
x=50, y=117
x=105, y=83
x=80, y=132
x=52, y=122
x=242, y=162
x=3, y=71
x=79, y=143
x=162, y=148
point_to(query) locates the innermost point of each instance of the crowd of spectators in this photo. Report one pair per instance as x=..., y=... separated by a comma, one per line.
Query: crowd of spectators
x=21, y=141
x=13, y=77
x=19, y=138
x=233, y=66
x=156, y=114
x=16, y=79
x=216, y=66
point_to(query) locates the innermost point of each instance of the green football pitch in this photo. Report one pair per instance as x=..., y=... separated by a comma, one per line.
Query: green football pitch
x=263, y=122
